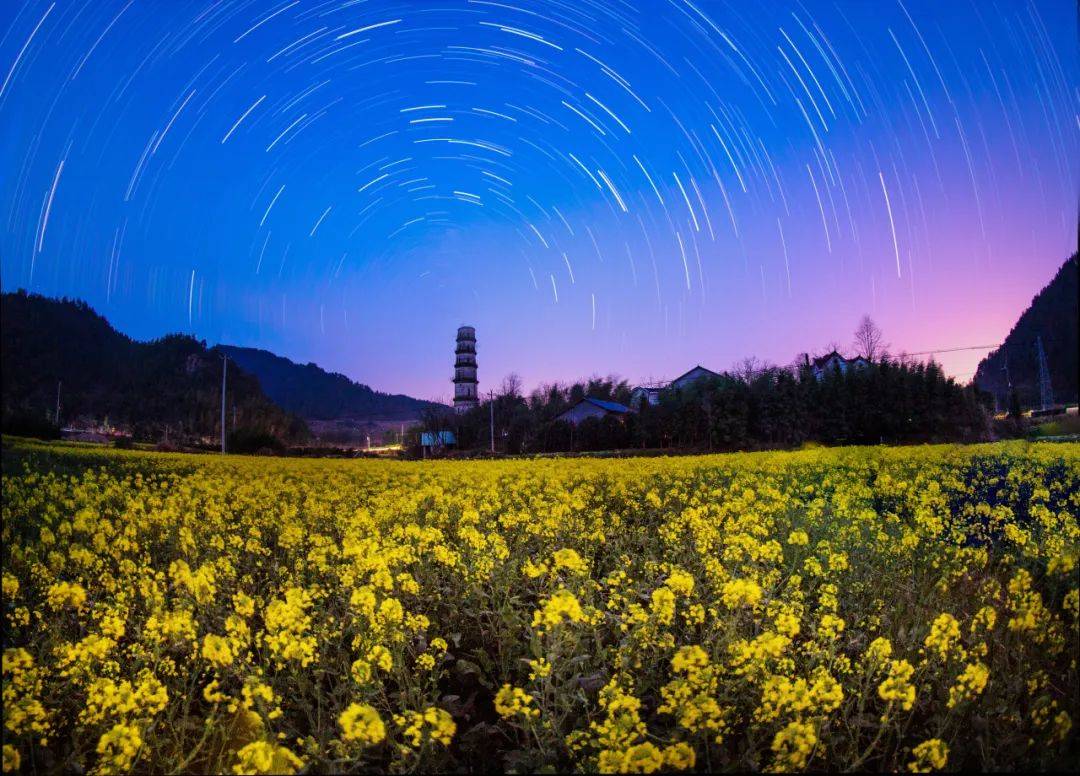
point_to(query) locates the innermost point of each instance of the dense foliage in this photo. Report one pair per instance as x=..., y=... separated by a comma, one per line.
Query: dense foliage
x=887, y=402
x=312, y=392
x=859, y=609
x=144, y=387
x=1052, y=316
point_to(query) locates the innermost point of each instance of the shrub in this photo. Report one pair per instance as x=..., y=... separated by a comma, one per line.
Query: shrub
x=30, y=424
x=253, y=440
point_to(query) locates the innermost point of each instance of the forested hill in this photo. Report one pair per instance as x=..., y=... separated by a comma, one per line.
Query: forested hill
x=143, y=387
x=312, y=392
x=1052, y=316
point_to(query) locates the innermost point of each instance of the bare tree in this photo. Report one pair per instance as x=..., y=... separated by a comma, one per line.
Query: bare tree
x=511, y=386
x=869, y=341
x=747, y=369
x=832, y=347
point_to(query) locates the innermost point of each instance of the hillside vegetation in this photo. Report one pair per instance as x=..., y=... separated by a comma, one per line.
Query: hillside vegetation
x=1053, y=317
x=312, y=392
x=143, y=387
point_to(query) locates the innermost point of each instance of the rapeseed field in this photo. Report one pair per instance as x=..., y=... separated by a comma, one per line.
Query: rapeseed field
x=904, y=609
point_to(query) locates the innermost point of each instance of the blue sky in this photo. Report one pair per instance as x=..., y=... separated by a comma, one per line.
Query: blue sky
x=597, y=186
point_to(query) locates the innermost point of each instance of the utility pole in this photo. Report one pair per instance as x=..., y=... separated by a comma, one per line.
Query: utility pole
x=491, y=408
x=224, y=370
x=1046, y=390
x=1008, y=378
x=56, y=417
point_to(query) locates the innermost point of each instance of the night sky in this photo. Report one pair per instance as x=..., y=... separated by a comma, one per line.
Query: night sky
x=596, y=185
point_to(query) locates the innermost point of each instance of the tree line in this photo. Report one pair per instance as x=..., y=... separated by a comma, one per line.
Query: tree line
x=751, y=406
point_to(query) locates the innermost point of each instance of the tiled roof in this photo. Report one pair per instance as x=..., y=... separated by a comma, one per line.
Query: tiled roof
x=689, y=371
x=610, y=406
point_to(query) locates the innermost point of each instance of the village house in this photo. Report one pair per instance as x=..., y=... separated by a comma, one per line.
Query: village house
x=831, y=361
x=593, y=408
x=689, y=378
x=644, y=394
x=651, y=394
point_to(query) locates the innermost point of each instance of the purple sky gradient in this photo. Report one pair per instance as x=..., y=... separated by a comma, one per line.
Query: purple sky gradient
x=597, y=187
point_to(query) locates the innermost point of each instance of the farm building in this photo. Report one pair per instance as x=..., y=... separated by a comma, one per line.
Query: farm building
x=593, y=408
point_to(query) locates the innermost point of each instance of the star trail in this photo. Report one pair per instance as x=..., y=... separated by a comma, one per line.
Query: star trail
x=597, y=185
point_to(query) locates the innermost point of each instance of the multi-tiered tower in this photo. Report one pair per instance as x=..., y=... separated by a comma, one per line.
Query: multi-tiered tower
x=465, y=370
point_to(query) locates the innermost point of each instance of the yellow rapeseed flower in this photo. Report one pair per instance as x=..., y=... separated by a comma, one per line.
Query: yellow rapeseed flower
x=512, y=701
x=930, y=755
x=362, y=724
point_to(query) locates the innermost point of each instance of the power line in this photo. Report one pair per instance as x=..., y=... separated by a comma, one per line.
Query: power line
x=952, y=350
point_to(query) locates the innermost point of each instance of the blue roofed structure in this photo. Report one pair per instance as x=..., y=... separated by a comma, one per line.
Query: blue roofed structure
x=610, y=406
x=440, y=439
x=590, y=407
